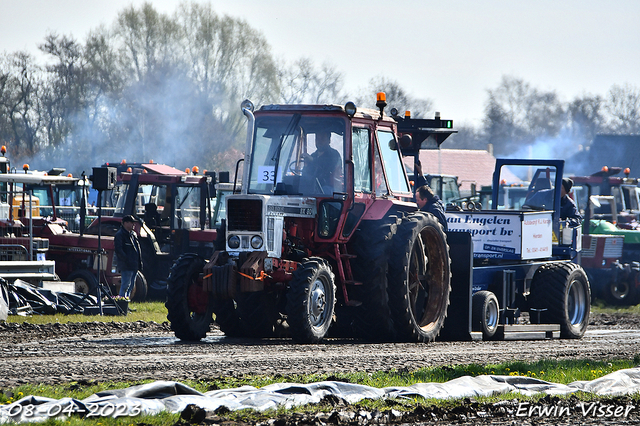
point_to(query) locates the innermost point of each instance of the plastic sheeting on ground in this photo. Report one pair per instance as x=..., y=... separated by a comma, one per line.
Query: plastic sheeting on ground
x=173, y=397
x=23, y=298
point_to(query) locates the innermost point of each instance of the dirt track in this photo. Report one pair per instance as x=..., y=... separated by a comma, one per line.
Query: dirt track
x=58, y=353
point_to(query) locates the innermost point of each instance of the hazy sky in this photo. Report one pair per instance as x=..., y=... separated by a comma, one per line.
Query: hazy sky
x=451, y=51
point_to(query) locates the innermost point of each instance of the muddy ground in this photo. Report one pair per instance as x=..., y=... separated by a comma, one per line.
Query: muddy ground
x=60, y=353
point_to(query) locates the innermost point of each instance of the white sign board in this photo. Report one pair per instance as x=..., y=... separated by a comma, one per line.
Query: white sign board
x=505, y=236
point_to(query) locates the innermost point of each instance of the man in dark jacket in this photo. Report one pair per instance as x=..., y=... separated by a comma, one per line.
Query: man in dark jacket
x=128, y=252
x=429, y=202
x=568, y=209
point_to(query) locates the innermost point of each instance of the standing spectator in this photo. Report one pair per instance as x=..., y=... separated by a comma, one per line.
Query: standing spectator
x=568, y=209
x=128, y=252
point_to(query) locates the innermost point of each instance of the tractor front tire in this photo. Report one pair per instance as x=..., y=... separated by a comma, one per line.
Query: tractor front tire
x=419, y=278
x=189, y=308
x=562, y=290
x=311, y=301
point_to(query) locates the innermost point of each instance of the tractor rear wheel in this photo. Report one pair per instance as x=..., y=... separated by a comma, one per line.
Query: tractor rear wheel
x=139, y=292
x=485, y=313
x=227, y=317
x=620, y=293
x=85, y=282
x=372, y=245
x=562, y=291
x=189, y=308
x=311, y=300
x=258, y=313
x=419, y=278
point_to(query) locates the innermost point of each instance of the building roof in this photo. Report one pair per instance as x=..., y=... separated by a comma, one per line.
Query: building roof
x=469, y=165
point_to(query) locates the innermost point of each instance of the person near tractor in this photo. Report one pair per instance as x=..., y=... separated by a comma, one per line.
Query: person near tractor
x=426, y=199
x=568, y=209
x=429, y=202
x=323, y=165
x=127, y=251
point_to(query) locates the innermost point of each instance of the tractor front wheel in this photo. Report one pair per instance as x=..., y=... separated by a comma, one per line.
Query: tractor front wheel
x=311, y=301
x=189, y=308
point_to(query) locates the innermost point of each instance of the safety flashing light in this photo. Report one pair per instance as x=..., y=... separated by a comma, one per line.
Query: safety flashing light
x=69, y=175
x=381, y=97
x=605, y=169
x=25, y=167
x=3, y=150
x=129, y=170
x=195, y=170
x=407, y=114
x=123, y=161
x=187, y=170
x=627, y=171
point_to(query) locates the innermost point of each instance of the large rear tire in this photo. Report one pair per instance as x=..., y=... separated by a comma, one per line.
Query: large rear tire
x=227, y=317
x=419, y=278
x=372, y=246
x=258, y=314
x=562, y=290
x=189, y=308
x=311, y=301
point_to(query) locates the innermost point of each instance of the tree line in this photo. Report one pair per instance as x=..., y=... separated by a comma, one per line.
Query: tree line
x=167, y=88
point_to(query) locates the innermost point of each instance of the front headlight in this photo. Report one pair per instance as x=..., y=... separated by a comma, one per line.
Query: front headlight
x=233, y=242
x=256, y=242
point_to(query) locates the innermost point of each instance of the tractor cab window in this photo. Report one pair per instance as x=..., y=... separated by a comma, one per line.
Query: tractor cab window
x=298, y=155
x=187, y=207
x=396, y=177
x=361, y=160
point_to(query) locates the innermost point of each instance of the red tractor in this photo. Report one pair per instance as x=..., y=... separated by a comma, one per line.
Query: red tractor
x=178, y=216
x=324, y=236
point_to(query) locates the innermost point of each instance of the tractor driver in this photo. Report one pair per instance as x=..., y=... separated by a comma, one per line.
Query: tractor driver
x=324, y=165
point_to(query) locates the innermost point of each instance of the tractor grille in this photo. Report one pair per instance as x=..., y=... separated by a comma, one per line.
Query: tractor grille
x=244, y=215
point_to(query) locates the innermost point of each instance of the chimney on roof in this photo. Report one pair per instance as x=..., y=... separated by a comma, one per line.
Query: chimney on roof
x=490, y=149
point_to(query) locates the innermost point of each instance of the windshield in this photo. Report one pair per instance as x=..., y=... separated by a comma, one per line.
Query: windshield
x=298, y=155
x=525, y=187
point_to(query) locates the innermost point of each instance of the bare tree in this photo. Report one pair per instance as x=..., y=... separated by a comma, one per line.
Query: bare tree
x=301, y=82
x=397, y=97
x=585, y=118
x=623, y=104
x=517, y=114
x=21, y=84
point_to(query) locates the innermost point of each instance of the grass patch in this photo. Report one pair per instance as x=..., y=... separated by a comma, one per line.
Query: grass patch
x=142, y=311
x=599, y=307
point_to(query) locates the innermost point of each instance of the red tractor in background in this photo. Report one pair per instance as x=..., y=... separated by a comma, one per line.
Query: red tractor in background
x=178, y=215
x=610, y=205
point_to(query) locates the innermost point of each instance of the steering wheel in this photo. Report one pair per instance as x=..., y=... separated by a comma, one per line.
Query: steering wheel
x=295, y=166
